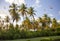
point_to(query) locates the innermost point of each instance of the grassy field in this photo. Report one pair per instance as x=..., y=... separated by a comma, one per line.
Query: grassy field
x=35, y=39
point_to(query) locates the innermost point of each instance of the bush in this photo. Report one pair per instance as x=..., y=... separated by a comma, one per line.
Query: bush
x=15, y=33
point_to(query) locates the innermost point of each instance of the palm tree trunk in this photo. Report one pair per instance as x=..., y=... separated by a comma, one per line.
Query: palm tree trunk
x=33, y=18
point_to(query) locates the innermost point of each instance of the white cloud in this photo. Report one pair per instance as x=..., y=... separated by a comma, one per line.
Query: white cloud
x=37, y=1
x=36, y=4
x=9, y=1
x=16, y=1
x=4, y=13
x=50, y=15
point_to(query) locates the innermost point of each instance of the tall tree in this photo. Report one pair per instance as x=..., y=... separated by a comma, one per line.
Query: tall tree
x=7, y=19
x=44, y=21
x=40, y=23
x=54, y=23
x=27, y=23
x=31, y=12
x=22, y=10
x=14, y=13
x=49, y=21
x=0, y=22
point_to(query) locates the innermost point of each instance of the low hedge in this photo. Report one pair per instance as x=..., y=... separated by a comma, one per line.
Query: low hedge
x=17, y=34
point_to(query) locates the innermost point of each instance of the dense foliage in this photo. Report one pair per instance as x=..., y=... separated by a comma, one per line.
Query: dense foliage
x=15, y=33
x=43, y=26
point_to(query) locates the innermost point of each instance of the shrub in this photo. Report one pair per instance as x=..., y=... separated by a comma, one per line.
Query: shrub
x=15, y=33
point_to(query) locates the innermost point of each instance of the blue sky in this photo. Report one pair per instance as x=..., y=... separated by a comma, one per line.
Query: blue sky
x=40, y=6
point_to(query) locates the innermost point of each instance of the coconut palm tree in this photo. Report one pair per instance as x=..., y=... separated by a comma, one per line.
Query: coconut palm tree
x=40, y=20
x=39, y=23
x=54, y=23
x=22, y=10
x=36, y=24
x=7, y=19
x=30, y=11
x=14, y=13
x=46, y=21
x=0, y=22
x=17, y=18
x=49, y=21
x=27, y=23
x=45, y=17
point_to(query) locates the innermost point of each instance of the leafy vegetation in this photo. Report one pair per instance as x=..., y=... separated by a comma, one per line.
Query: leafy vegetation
x=30, y=28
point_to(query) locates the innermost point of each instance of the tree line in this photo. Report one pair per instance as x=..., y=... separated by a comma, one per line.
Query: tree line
x=43, y=26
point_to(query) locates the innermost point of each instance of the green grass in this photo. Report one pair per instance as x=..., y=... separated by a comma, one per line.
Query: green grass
x=35, y=39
